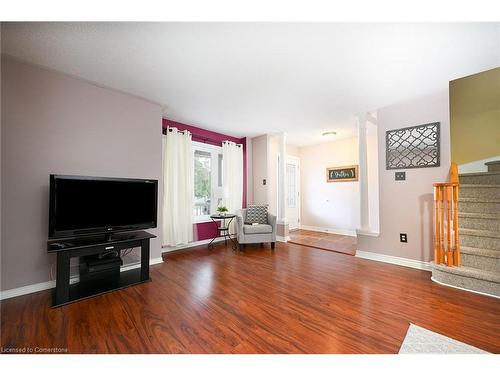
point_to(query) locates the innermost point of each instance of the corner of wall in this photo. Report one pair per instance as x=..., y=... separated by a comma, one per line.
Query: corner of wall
x=249, y=149
x=407, y=206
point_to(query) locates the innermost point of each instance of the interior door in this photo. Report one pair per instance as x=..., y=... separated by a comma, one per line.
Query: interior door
x=292, y=168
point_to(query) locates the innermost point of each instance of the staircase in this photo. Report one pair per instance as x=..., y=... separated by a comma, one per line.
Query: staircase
x=479, y=234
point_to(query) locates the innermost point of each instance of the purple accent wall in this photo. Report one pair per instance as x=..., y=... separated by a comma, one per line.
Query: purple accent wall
x=203, y=231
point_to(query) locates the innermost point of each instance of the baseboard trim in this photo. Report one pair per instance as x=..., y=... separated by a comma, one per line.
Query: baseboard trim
x=33, y=288
x=467, y=290
x=345, y=232
x=412, y=263
x=168, y=249
x=28, y=289
x=282, y=238
x=361, y=232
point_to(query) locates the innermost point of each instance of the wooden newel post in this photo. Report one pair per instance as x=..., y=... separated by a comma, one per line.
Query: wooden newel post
x=456, y=253
x=441, y=224
x=447, y=251
x=449, y=254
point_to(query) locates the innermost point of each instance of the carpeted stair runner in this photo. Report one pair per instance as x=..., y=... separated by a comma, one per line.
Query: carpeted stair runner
x=479, y=230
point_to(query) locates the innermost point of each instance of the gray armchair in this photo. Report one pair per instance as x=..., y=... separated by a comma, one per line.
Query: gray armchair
x=247, y=233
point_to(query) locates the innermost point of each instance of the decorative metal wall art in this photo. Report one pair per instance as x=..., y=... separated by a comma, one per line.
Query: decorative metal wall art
x=413, y=147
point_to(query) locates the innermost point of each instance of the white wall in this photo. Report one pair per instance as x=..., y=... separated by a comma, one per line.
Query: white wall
x=265, y=150
x=272, y=176
x=53, y=123
x=407, y=206
x=373, y=178
x=477, y=166
x=329, y=205
x=292, y=150
x=316, y=198
x=259, y=169
x=249, y=150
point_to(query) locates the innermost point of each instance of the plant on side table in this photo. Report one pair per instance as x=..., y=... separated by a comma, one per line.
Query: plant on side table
x=222, y=210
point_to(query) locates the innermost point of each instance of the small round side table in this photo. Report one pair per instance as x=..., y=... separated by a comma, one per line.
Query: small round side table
x=223, y=230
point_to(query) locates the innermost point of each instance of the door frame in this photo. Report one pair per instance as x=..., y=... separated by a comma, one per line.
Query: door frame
x=296, y=161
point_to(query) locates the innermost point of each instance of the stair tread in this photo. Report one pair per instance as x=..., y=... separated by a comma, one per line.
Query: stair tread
x=475, y=273
x=492, y=173
x=480, y=252
x=479, y=232
x=479, y=215
x=481, y=200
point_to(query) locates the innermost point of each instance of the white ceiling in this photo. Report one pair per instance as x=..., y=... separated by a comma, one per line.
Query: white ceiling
x=246, y=79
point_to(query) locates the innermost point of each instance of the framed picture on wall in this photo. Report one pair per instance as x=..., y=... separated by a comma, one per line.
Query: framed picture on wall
x=342, y=174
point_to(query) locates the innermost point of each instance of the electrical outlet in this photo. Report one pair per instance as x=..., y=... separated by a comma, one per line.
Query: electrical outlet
x=403, y=237
x=264, y=181
x=400, y=176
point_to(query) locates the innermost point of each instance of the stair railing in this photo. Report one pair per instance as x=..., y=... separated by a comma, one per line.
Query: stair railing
x=446, y=240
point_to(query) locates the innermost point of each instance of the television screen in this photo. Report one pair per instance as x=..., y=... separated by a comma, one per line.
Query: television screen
x=86, y=205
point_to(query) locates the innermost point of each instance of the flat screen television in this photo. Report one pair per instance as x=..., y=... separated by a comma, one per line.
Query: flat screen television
x=82, y=205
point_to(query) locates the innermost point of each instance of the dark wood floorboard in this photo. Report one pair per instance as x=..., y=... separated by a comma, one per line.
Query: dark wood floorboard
x=291, y=300
x=324, y=241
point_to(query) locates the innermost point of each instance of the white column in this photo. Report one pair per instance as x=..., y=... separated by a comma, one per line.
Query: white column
x=282, y=180
x=363, y=174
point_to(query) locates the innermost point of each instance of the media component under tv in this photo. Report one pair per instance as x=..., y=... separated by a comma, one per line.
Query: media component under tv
x=82, y=205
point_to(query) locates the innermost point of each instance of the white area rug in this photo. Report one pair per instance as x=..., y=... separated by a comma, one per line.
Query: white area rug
x=419, y=340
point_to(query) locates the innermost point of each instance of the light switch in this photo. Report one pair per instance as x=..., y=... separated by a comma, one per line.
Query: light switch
x=400, y=176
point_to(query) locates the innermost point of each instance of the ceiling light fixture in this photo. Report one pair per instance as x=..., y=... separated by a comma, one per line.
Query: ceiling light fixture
x=329, y=133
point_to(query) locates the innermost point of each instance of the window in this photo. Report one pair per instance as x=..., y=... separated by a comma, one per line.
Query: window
x=207, y=180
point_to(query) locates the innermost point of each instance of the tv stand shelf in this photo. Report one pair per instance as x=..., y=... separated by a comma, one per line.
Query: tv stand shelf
x=76, y=247
x=128, y=278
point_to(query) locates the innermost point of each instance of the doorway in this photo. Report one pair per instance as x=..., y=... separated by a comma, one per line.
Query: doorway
x=292, y=172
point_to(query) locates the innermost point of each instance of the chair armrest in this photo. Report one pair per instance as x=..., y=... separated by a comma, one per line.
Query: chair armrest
x=271, y=220
x=239, y=223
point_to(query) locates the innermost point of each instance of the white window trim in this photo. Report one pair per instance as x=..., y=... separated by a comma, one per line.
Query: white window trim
x=206, y=146
x=214, y=151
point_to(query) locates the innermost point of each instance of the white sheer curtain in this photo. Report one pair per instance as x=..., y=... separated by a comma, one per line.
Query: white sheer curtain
x=178, y=187
x=232, y=177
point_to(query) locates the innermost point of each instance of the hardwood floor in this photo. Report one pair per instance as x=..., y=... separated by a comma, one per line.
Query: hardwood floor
x=292, y=300
x=324, y=241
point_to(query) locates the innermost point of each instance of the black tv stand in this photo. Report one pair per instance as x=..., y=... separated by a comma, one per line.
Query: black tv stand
x=65, y=249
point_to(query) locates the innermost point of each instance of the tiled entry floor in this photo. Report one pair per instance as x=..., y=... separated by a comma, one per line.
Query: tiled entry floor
x=325, y=241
